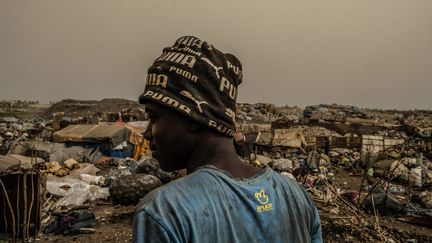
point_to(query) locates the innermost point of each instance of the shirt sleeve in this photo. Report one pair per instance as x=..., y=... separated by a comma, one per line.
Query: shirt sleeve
x=316, y=234
x=148, y=229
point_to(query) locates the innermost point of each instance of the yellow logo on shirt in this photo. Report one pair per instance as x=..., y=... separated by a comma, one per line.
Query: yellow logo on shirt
x=263, y=199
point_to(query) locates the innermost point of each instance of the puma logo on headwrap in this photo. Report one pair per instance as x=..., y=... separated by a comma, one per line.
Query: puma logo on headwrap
x=177, y=57
x=190, y=96
x=230, y=113
x=235, y=69
x=193, y=42
x=205, y=59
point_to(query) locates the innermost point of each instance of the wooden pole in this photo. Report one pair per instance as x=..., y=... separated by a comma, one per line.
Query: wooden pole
x=18, y=206
x=25, y=207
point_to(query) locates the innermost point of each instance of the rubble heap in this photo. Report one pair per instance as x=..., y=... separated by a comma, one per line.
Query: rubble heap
x=368, y=171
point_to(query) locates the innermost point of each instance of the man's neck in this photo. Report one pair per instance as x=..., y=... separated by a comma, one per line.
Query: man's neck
x=219, y=151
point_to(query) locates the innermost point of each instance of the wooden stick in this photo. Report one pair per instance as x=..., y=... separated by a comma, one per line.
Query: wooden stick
x=25, y=206
x=33, y=159
x=18, y=207
x=41, y=197
x=375, y=213
x=31, y=206
x=47, y=201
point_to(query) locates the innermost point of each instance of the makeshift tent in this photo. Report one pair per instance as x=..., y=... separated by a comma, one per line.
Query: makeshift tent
x=114, y=134
x=121, y=138
x=21, y=197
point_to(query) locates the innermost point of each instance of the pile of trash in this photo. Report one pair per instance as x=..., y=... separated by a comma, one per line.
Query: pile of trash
x=361, y=166
x=315, y=131
x=71, y=185
x=82, y=111
x=337, y=110
x=132, y=180
x=397, y=187
x=262, y=112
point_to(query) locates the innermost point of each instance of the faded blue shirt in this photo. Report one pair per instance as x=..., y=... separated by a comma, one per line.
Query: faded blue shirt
x=211, y=206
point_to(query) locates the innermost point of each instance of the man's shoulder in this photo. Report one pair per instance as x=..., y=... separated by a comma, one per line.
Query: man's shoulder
x=174, y=191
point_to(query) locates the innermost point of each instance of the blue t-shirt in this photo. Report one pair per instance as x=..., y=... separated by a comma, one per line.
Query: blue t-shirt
x=211, y=206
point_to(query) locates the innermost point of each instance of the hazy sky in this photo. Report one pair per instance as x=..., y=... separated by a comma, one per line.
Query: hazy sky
x=368, y=53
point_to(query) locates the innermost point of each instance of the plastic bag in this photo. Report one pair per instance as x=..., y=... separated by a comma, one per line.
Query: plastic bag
x=75, y=192
x=92, y=180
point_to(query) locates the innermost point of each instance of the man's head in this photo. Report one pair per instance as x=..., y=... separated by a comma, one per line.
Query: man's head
x=197, y=84
x=172, y=136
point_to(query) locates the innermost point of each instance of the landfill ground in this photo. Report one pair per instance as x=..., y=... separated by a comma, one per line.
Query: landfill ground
x=347, y=226
x=345, y=157
x=114, y=223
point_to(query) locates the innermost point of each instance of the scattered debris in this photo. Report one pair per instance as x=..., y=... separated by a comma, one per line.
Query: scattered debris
x=369, y=171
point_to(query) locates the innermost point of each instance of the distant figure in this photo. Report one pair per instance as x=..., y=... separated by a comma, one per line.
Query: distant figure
x=119, y=119
x=190, y=98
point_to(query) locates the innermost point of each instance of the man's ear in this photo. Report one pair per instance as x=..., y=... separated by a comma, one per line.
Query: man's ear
x=194, y=126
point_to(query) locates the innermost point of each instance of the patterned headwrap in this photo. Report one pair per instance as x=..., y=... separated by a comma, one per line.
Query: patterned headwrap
x=198, y=80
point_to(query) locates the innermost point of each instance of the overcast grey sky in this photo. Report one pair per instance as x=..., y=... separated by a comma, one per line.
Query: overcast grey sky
x=368, y=53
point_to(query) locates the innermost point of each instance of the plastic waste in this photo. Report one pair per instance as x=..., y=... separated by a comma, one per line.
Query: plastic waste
x=283, y=165
x=74, y=191
x=92, y=180
x=370, y=172
x=85, y=168
x=416, y=177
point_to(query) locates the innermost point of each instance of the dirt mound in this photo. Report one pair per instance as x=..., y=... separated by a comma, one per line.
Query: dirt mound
x=74, y=108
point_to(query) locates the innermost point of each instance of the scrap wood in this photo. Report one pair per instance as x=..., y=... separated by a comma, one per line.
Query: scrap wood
x=47, y=200
x=87, y=230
